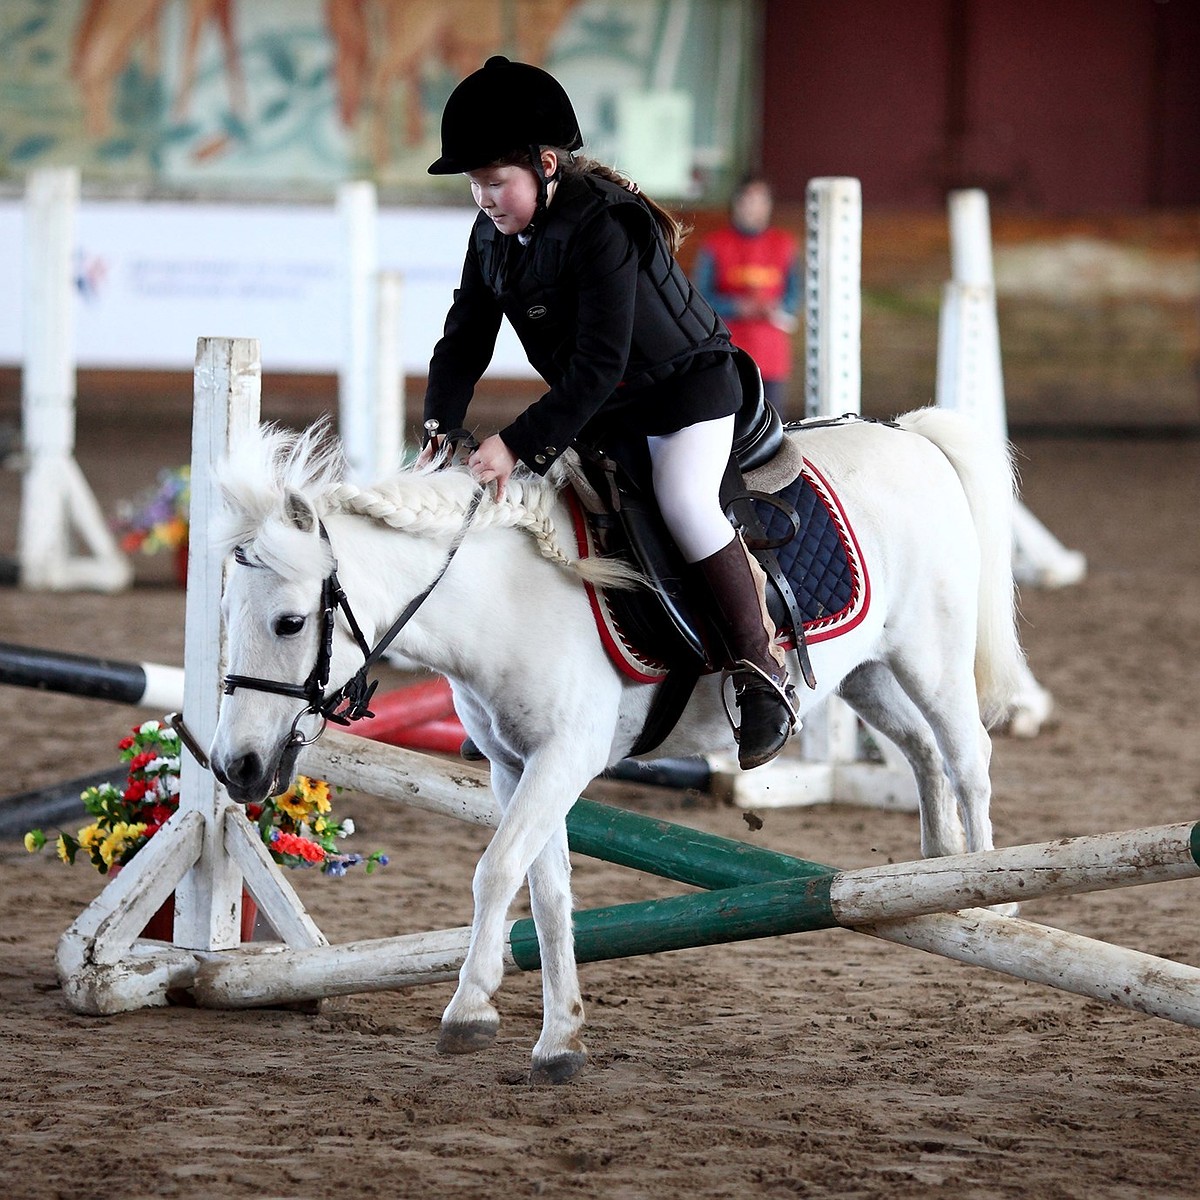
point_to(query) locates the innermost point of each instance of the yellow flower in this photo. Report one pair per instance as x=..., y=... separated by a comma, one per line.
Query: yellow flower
x=303, y=797
x=63, y=853
x=92, y=836
x=318, y=792
x=35, y=839
x=293, y=804
x=115, y=844
x=174, y=532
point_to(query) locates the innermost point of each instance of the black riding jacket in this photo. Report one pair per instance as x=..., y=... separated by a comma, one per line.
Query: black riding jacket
x=605, y=315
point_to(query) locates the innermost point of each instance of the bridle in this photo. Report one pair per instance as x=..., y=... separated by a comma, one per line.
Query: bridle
x=351, y=701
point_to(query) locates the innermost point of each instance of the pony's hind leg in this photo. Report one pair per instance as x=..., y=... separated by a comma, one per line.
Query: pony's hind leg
x=966, y=751
x=946, y=699
x=947, y=705
x=874, y=693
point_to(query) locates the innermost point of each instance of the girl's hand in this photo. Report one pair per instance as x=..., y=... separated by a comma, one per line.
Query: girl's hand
x=493, y=460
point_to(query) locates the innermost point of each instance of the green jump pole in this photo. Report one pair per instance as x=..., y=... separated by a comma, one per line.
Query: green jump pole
x=733, y=914
x=690, y=856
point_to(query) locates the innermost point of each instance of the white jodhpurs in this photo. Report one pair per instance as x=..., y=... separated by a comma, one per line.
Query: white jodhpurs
x=687, y=470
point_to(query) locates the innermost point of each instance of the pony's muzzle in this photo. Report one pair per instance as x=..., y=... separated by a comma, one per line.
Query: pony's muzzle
x=245, y=777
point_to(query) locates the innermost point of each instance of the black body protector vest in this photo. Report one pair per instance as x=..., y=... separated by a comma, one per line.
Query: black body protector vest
x=536, y=290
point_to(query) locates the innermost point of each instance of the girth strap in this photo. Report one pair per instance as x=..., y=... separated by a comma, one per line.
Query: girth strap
x=666, y=708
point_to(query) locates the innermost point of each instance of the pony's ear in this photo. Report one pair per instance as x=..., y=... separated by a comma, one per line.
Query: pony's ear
x=298, y=512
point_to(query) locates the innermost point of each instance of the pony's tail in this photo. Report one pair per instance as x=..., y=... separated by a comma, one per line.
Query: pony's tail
x=986, y=473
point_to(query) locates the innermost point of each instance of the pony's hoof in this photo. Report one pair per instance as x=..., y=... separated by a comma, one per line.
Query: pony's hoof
x=467, y=1037
x=562, y=1068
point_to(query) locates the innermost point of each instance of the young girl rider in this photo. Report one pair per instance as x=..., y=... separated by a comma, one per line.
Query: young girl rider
x=583, y=267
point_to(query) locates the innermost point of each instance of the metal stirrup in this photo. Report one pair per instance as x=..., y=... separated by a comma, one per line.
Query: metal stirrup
x=742, y=666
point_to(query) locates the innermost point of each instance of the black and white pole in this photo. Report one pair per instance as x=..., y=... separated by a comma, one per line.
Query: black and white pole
x=149, y=685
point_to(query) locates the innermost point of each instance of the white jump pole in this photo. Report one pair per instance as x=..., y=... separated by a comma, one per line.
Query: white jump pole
x=56, y=501
x=970, y=376
x=830, y=766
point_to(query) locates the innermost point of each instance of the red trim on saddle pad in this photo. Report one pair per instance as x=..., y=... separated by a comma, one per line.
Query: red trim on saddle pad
x=626, y=658
x=834, y=625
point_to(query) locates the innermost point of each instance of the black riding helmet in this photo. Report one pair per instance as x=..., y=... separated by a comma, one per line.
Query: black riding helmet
x=502, y=108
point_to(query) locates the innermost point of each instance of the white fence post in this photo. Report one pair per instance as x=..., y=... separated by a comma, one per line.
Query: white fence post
x=389, y=383
x=228, y=387
x=970, y=375
x=970, y=380
x=832, y=378
x=56, y=501
x=370, y=377
x=209, y=846
x=357, y=395
x=830, y=764
x=833, y=297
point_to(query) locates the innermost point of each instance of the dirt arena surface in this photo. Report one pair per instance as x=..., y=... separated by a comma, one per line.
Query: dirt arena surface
x=822, y=1065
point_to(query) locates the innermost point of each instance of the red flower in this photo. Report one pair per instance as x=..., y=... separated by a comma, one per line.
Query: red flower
x=138, y=761
x=160, y=814
x=254, y=811
x=125, y=743
x=297, y=847
x=136, y=790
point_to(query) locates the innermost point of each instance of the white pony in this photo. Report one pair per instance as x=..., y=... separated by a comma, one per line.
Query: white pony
x=934, y=657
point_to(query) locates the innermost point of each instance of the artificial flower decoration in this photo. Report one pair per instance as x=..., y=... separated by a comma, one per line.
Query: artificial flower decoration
x=157, y=519
x=298, y=827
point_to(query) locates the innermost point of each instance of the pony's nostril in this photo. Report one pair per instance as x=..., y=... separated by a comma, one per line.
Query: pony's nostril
x=245, y=770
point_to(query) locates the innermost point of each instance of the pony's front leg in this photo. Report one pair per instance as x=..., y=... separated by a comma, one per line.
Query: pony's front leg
x=470, y=1021
x=559, y=1054
x=543, y=797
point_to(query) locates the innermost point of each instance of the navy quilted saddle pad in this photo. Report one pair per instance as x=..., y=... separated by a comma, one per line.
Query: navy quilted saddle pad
x=816, y=562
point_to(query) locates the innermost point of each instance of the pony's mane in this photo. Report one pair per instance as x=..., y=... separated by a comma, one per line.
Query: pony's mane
x=271, y=463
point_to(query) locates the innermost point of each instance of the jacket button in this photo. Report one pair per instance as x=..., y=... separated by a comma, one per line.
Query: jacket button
x=540, y=459
x=550, y=450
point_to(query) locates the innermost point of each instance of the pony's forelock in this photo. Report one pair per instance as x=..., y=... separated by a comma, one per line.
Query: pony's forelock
x=258, y=473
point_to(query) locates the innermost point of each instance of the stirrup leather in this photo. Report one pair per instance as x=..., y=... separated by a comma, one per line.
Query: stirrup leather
x=785, y=692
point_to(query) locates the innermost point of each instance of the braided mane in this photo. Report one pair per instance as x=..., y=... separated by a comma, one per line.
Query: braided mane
x=429, y=500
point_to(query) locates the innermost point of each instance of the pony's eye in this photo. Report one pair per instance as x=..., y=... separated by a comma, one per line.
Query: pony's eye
x=288, y=626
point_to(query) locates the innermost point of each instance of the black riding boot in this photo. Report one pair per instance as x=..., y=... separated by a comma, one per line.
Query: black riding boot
x=764, y=696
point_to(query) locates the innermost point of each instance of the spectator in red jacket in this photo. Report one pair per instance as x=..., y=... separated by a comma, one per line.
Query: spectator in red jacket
x=750, y=272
